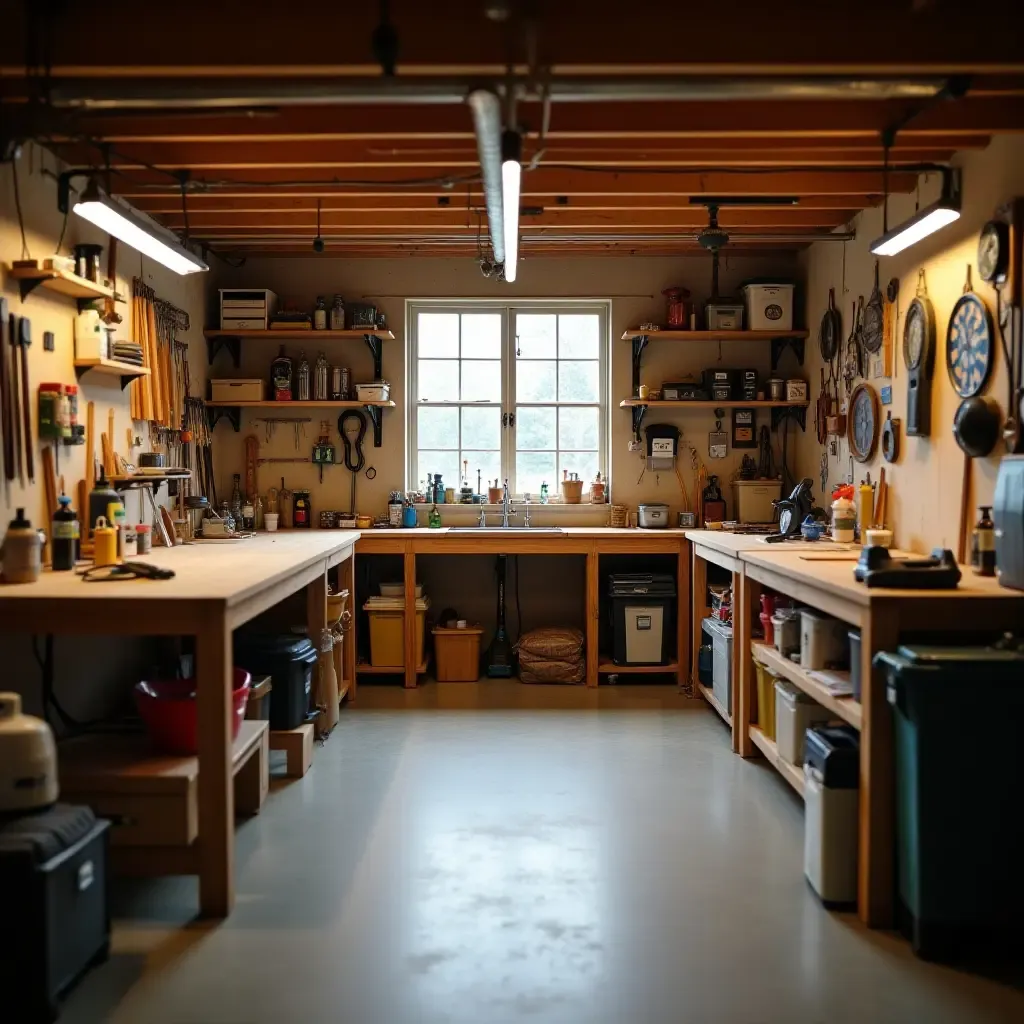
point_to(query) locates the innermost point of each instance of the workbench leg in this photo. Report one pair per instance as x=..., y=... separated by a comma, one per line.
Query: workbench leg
x=876, y=863
x=216, y=789
x=316, y=623
x=744, y=612
x=592, y=614
x=698, y=608
x=347, y=581
x=683, y=633
x=411, y=625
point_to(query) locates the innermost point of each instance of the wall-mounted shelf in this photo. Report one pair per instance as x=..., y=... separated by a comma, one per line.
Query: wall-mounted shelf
x=61, y=281
x=233, y=411
x=110, y=368
x=780, y=410
x=780, y=341
x=232, y=340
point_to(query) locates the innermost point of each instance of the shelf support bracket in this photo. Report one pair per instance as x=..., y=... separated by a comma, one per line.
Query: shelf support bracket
x=638, y=413
x=233, y=345
x=231, y=412
x=779, y=345
x=376, y=418
x=796, y=413
x=639, y=343
x=376, y=347
x=27, y=285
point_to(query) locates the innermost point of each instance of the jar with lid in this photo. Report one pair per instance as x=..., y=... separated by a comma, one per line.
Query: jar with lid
x=320, y=314
x=844, y=518
x=395, y=503
x=71, y=393
x=320, y=374
x=48, y=418
x=338, y=314
x=302, y=378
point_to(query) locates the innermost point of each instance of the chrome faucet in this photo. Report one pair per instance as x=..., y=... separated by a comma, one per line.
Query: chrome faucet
x=506, y=507
x=526, y=506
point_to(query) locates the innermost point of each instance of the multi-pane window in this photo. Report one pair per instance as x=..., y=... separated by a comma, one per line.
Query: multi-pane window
x=514, y=392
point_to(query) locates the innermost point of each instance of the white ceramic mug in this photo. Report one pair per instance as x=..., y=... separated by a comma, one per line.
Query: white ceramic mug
x=270, y=521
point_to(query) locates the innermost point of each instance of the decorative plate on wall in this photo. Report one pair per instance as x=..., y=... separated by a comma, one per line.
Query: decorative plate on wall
x=862, y=423
x=969, y=344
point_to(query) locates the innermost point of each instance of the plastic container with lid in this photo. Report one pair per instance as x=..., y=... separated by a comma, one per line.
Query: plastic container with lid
x=795, y=713
x=822, y=640
x=289, y=661
x=387, y=630
x=754, y=500
x=765, y=699
x=721, y=663
x=786, y=627
x=457, y=653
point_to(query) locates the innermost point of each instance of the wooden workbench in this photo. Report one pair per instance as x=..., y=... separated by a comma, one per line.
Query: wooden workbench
x=588, y=542
x=217, y=587
x=885, y=617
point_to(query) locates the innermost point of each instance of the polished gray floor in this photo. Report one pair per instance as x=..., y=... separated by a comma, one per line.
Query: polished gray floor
x=492, y=853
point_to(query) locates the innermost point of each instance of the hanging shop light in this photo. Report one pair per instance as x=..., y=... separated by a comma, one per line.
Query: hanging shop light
x=943, y=211
x=511, y=181
x=124, y=222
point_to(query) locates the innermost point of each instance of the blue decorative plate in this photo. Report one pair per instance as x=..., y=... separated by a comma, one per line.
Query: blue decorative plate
x=969, y=345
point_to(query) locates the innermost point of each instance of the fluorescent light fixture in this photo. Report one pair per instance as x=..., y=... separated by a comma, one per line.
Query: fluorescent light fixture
x=511, y=180
x=125, y=223
x=925, y=222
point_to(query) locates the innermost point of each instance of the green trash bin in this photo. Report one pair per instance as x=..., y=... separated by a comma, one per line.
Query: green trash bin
x=957, y=713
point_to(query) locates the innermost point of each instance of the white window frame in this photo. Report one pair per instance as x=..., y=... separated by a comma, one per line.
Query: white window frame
x=508, y=310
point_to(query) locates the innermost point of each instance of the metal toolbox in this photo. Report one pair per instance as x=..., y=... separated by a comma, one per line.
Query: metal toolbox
x=245, y=389
x=683, y=391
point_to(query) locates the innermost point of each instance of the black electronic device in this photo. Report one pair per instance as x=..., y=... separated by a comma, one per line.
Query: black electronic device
x=877, y=568
x=684, y=391
x=919, y=356
x=792, y=511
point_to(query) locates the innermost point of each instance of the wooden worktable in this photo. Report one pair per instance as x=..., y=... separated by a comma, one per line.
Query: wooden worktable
x=978, y=606
x=217, y=587
x=589, y=542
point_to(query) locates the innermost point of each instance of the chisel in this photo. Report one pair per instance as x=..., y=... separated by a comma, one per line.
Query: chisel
x=5, y=401
x=12, y=394
x=24, y=341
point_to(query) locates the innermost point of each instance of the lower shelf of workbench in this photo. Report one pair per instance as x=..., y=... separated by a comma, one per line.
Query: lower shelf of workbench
x=608, y=667
x=709, y=696
x=365, y=668
x=793, y=775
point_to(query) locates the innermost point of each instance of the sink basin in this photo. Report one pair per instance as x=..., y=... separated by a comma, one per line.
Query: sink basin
x=504, y=530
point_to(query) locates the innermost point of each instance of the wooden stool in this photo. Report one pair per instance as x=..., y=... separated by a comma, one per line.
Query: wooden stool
x=298, y=747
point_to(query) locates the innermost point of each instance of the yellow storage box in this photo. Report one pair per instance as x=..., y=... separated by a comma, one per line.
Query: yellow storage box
x=387, y=633
x=765, y=699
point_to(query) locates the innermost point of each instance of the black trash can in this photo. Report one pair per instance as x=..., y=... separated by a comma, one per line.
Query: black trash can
x=289, y=661
x=959, y=774
x=643, y=614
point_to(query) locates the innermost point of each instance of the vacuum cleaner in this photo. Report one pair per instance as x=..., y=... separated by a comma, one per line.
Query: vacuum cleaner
x=500, y=658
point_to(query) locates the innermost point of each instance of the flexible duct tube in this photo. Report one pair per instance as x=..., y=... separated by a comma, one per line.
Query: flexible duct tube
x=486, y=109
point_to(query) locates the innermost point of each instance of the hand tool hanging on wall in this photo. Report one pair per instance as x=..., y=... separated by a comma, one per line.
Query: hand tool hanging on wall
x=24, y=341
x=252, y=454
x=5, y=398
x=354, y=459
x=15, y=402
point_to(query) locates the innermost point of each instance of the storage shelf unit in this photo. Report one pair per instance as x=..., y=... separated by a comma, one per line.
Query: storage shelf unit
x=233, y=411
x=709, y=696
x=110, y=368
x=62, y=281
x=779, y=410
x=846, y=708
x=793, y=775
x=232, y=340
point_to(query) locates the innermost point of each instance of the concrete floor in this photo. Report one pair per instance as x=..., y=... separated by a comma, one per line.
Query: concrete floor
x=476, y=854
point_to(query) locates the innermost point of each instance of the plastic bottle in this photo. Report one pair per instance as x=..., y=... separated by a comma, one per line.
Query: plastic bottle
x=865, y=508
x=22, y=551
x=843, y=520
x=100, y=497
x=104, y=536
x=544, y=493
x=64, y=535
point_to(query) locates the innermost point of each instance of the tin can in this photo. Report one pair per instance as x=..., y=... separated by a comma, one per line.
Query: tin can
x=337, y=395
x=144, y=538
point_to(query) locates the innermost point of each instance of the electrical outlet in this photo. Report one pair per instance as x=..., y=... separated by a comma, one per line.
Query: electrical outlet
x=635, y=446
x=48, y=344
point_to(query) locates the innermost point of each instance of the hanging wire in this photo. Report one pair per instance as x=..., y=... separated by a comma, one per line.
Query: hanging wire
x=25, y=254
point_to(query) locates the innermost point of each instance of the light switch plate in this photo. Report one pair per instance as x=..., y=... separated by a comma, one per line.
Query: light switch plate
x=48, y=341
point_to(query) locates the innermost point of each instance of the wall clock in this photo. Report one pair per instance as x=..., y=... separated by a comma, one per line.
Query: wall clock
x=919, y=357
x=969, y=343
x=994, y=251
x=862, y=423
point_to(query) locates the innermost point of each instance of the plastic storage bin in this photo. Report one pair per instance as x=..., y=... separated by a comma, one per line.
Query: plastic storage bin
x=823, y=640
x=831, y=781
x=959, y=773
x=795, y=713
x=754, y=500
x=721, y=660
x=643, y=614
x=457, y=654
x=289, y=661
x=769, y=307
x=786, y=626
x=854, y=638
x=765, y=699
x=387, y=630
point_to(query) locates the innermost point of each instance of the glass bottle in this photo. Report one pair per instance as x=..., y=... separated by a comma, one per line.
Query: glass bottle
x=320, y=314
x=281, y=377
x=236, y=499
x=983, y=545
x=338, y=314
x=302, y=378
x=320, y=375
x=544, y=492
x=434, y=521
